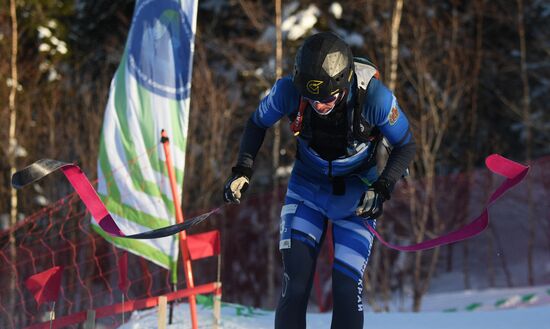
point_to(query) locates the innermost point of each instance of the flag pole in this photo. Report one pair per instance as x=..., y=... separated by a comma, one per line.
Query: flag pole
x=188, y=272
x=123, y=278
x=171, y=310
x=217, y=302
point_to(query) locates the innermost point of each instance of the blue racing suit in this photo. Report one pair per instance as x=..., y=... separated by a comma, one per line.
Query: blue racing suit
x=312, y=199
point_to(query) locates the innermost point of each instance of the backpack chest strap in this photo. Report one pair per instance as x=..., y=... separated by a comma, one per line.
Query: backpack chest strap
x=296, y=124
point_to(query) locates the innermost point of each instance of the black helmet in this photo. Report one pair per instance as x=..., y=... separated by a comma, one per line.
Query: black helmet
x=323, y=66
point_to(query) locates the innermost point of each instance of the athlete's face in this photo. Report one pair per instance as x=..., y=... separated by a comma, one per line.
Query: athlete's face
x=325, y=106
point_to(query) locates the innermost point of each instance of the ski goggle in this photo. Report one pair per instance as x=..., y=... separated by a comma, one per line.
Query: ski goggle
x=325, y=106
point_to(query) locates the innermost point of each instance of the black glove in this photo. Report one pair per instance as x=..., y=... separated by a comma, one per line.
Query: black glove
x=372, y=200
x=236, y=184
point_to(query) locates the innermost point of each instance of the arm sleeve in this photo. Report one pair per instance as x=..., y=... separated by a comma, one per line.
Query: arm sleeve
x=385, y=113
x=282, y=100
x=399, y=160
x=251, y=141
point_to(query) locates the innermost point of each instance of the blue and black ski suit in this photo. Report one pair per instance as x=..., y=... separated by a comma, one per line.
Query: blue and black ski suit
x=333, y=167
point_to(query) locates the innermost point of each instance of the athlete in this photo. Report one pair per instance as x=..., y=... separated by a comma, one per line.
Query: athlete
x=339, y=110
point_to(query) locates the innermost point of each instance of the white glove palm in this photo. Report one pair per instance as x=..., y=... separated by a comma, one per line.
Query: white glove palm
x=234, y=187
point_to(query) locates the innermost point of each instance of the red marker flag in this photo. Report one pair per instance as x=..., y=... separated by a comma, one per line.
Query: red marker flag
x=123, y=271
x=204, y=245
x=45, y=285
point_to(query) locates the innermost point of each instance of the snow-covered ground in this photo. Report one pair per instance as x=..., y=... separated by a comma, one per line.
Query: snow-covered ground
x=518, y=308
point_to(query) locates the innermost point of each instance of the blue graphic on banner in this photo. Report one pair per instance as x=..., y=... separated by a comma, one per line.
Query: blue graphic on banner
x=160, y=48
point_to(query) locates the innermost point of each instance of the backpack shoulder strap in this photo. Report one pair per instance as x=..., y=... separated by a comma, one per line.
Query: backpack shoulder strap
x=364, y=71
x=297, y=121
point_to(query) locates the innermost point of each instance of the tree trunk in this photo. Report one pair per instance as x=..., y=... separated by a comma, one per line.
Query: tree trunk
x=490, y=260
x=394, y=43
x=386, y=289
x=472, y=129
x=449, y=258
x=374, y=272
x=502, y=257
x=526, y=114
x=466, y=264
x=417, y=300
x=13, y=144
x=394, y=55
x=274, y=214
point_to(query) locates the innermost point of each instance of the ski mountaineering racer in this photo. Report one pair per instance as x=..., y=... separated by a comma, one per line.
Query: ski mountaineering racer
x=339, y=111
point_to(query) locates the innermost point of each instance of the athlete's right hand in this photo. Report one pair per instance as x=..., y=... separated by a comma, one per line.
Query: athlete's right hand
x=236, y=184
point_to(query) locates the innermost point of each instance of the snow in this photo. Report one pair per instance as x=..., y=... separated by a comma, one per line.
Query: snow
x=499, y=308
x=294, y=25
x=44, y=32
x=336, y=10
x=44, y=47
x=488, y=300
x=298, y=25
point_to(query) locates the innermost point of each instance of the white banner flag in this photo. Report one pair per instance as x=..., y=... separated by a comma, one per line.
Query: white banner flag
x=149, y=92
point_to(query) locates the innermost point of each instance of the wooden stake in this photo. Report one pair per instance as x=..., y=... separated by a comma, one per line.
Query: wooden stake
x=90, y=320
x=123, y=308
x=162, y=312
x=217, y=309
x=52, y=314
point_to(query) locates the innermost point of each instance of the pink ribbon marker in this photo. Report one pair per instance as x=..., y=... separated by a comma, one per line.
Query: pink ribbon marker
x=89, y=196
x=514, y=174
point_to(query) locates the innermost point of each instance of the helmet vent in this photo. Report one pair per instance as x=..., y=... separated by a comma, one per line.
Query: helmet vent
x=335, y=63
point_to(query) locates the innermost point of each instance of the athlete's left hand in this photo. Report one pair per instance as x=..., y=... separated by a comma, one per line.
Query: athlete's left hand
x=236, y=184
x=372, y=200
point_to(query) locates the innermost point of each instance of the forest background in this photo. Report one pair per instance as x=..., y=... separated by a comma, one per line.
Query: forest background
x=473, y=77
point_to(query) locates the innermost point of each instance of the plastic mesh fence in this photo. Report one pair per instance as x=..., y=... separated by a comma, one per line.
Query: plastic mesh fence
x=61, y=235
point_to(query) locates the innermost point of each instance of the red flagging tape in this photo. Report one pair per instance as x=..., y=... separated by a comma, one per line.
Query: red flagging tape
x=514, y=174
